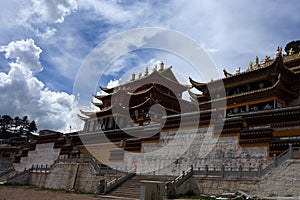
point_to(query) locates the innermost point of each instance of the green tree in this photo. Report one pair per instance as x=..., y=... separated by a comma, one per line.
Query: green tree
x=295, y=45
x=7, y=122
x=14, y=127
x=32, y=126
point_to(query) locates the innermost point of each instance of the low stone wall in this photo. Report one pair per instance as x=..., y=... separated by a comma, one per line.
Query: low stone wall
x=214, y=186
x=62, y=176
x=69, y=176
x=283, y=181
x=38, y=179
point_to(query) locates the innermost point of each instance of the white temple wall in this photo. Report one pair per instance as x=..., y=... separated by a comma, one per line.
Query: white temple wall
x=44, y=154
x=177, y=151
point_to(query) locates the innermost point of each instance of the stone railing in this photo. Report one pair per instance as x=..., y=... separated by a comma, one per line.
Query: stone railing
x=291, y=153
x=6, y=171
x=106, y=187
x=19, y=178
x=100, y=169
x=171, y=186
x=241, y=172
x=223, y=172
x=183, y=177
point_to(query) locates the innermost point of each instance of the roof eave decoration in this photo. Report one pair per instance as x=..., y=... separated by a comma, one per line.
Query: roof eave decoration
x=101, y=96
x=88, y=113
x=198, y=85
x=116, y=108
x=82, y=117
x=193, y=95
x=118, y=92
x=107, y=90
x=100, y=105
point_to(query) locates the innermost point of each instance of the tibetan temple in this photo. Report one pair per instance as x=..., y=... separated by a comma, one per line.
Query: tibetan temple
x=137, y=97
x=262, y=105
x=246, y=124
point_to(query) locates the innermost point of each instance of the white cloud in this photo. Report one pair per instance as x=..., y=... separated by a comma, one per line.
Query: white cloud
x=23, y=94
x=111, y=11
x=113, y=83
x=41, y=14
x=26, y=53
x=233, y=33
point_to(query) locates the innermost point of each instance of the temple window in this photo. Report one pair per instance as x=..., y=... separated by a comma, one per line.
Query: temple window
x=99, y=124
x=91, y=126
x=267, y=107
x=235, y=110
x=110, y=123
x=86, y=125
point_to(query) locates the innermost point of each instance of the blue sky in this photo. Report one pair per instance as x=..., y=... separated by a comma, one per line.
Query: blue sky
x=44, y=42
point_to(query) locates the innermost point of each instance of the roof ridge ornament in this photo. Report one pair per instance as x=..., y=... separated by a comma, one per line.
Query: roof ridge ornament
x=238, y=71
x=161, y=66
x=250, y=66
x=132, y=76
x=147, y=71
x=291, y=52
x=226, y=74
x=266, y=60
x=279, y=52
x=256, y=62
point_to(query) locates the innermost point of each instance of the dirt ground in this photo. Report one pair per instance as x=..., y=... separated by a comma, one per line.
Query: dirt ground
x=31, y=193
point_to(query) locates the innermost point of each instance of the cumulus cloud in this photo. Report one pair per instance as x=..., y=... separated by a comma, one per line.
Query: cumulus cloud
x=41, y=14
x=113, y=83
x=24, y=94
x=26, y=53
x=111, y=11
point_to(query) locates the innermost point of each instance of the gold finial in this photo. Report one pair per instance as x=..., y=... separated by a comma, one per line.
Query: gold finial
x=238, y=71
x=226, y=74
x=279, y=51
x=250, y=65
x=155, y=68
x=132, y=76
x=267, y=59
x=291, y=52
x=147, y=71
x=140, y=75
x=256, y=61
x=161, y=66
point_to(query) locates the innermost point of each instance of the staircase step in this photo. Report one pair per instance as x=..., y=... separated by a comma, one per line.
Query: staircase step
x=131, y=188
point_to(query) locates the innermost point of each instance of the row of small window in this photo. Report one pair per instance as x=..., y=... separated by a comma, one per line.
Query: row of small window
x=104, y=124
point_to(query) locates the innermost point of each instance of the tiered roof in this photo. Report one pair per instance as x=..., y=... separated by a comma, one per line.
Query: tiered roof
x=282, y=85
x=150, y=87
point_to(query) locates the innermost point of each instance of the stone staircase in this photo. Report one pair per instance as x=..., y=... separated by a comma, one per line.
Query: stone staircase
x=131, y=188
x=5, y=174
